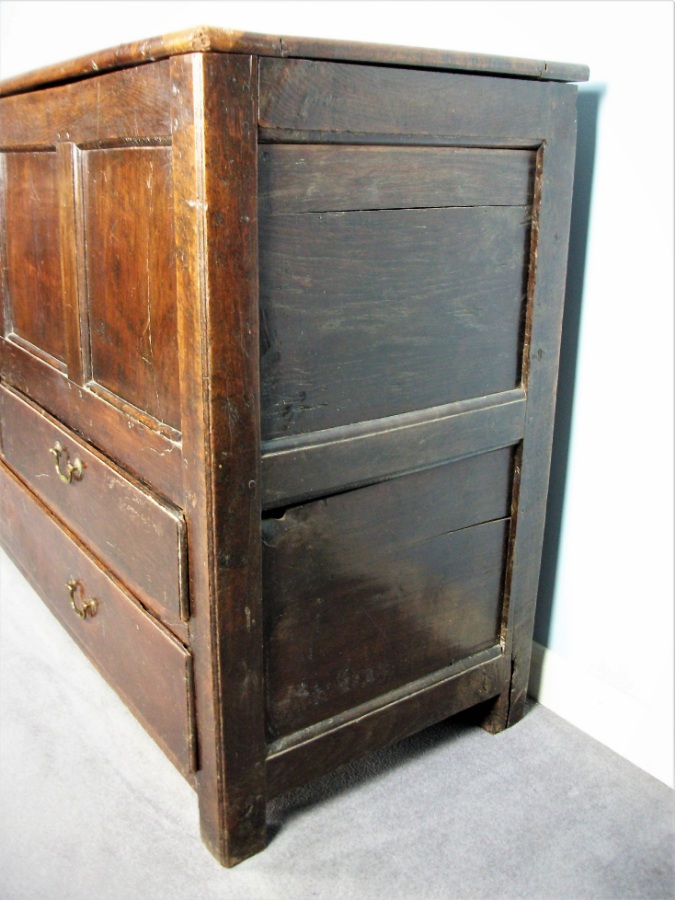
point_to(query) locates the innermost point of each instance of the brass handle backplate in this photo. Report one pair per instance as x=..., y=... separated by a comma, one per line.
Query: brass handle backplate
x=73, y=470
x=88, y=608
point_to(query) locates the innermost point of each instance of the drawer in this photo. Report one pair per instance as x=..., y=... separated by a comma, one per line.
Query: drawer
x=143, y=661
x=371, y=589
x=141, y=538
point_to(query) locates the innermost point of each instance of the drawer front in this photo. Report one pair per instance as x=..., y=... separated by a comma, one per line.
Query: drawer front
x=134, y=533
x=145, y=664
x=371, y=589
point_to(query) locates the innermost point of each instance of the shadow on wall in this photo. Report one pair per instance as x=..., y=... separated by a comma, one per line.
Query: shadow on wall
x=587, y=120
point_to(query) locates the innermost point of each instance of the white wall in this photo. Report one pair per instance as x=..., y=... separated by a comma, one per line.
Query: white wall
x=610, y=626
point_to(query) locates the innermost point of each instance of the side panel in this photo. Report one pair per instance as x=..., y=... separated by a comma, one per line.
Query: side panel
x=372, y=589
x=413, y=239
x=374, y=313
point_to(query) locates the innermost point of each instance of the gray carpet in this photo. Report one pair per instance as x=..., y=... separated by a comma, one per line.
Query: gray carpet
x=91, y=810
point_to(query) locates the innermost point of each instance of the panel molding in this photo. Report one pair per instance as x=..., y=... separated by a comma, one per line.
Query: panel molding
x=315, y=751
x=301, y=467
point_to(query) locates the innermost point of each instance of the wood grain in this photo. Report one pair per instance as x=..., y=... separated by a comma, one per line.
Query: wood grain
x=136, y=105
x=33, y=280
x=310, y=178
x=546, y=292
x=293, y=95
x=130, y=271
x=75, y=325
x=145, y=664
x=411, y=212
x=396, y=309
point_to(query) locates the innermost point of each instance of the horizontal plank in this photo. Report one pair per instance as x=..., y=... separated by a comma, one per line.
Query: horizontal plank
x=313, y=752
x=223, y=40
x=151, y=457
x=413, y=507
x=356, y=605
x=267, y=136
x=301, y=179
x=305, y=95
x=136, y=104
x=295, y=469
x=375, y=313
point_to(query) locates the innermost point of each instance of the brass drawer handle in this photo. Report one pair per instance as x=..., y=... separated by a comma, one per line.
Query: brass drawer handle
x=88, y=607
x=73, y=470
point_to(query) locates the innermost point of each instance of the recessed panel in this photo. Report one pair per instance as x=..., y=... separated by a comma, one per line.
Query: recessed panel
x=368, y=314
x=34, y=305
x=130, y=275
x=368, y=590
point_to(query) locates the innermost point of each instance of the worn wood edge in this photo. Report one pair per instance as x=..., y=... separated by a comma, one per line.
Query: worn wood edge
x=540, y=369
x=427, y=58
x=131, y=411
x=300, y=467
x=274, y=135
x=358, y=712
x=207, y=38
x=8, y=476
x=38, y=352
x=321, y=748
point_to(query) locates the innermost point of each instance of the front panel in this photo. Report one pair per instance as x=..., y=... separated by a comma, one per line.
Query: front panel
x=29, y=220
x=127, y=201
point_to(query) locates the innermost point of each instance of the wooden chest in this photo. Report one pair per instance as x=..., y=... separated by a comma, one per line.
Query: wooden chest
x=280, y=330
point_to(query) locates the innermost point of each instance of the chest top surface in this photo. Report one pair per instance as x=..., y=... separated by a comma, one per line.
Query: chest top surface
x=219, y=40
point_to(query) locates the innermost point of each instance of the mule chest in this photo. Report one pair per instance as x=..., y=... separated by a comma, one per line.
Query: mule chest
x=280, y=333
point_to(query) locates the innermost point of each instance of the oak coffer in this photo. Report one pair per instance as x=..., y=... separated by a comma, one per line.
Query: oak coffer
x=280, y=334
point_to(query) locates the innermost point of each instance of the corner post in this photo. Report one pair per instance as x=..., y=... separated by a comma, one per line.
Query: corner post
x=214, y=125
